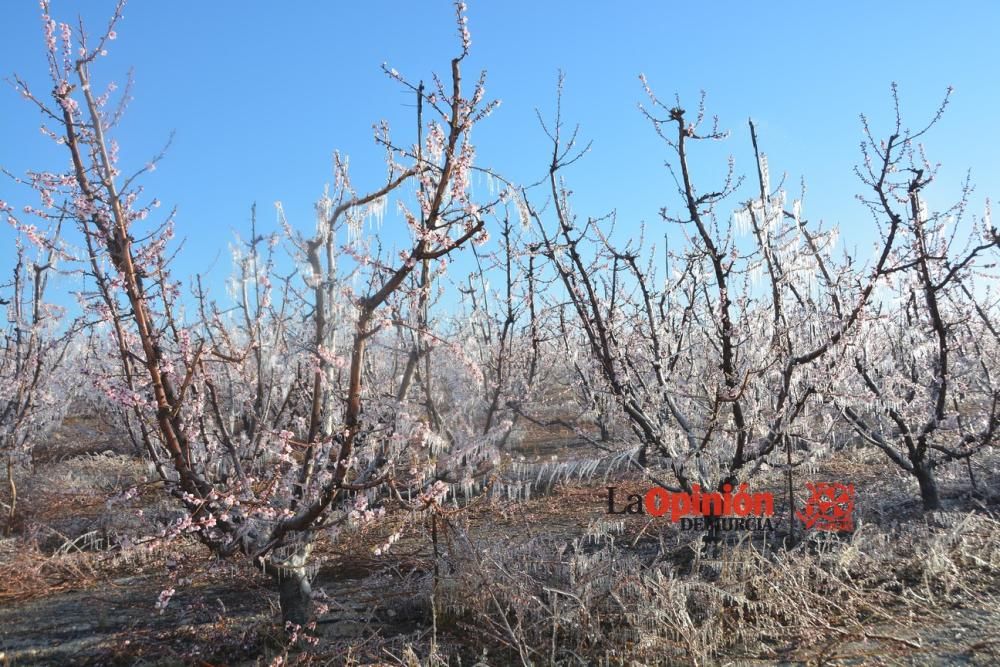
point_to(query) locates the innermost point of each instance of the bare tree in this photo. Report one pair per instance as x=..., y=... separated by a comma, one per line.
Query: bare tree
x=927, y=390
x=714, y=371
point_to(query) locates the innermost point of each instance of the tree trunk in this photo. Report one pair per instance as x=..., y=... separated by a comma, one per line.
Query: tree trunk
x=295, y=593
x=9, y=530
x=605, y=432
x=928, y=486
x=294, y=585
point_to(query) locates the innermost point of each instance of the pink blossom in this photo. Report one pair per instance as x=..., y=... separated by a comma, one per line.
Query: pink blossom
x=164, y=599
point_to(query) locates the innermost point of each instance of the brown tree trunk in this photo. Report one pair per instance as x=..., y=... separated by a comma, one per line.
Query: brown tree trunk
x=13, y=498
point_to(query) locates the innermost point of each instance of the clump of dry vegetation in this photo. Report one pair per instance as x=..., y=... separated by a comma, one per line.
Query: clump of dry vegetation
x=599, y=600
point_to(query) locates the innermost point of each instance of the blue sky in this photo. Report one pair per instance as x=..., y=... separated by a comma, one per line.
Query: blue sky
x=260, y=95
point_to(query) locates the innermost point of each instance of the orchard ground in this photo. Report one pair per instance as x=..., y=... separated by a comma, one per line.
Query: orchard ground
x=549, y=578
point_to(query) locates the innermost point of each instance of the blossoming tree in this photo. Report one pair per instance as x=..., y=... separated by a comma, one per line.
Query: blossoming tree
x=269, y=423
x=34, y=345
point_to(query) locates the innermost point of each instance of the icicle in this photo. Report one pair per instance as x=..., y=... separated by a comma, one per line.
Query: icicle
x=756, y=271
x=324, y=208
x=375, y=212
x=765, y=174
x=741, y=221
x=923, y=210
x=522, y=211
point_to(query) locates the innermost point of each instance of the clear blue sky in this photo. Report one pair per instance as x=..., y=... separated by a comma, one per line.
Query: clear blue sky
x=261, y=94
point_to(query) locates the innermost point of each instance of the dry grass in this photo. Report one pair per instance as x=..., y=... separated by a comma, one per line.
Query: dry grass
x=598, y=599
x=28, y=573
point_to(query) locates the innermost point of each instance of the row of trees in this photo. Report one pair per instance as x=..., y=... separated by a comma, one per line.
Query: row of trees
x=335, y=383
x=757, y=336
